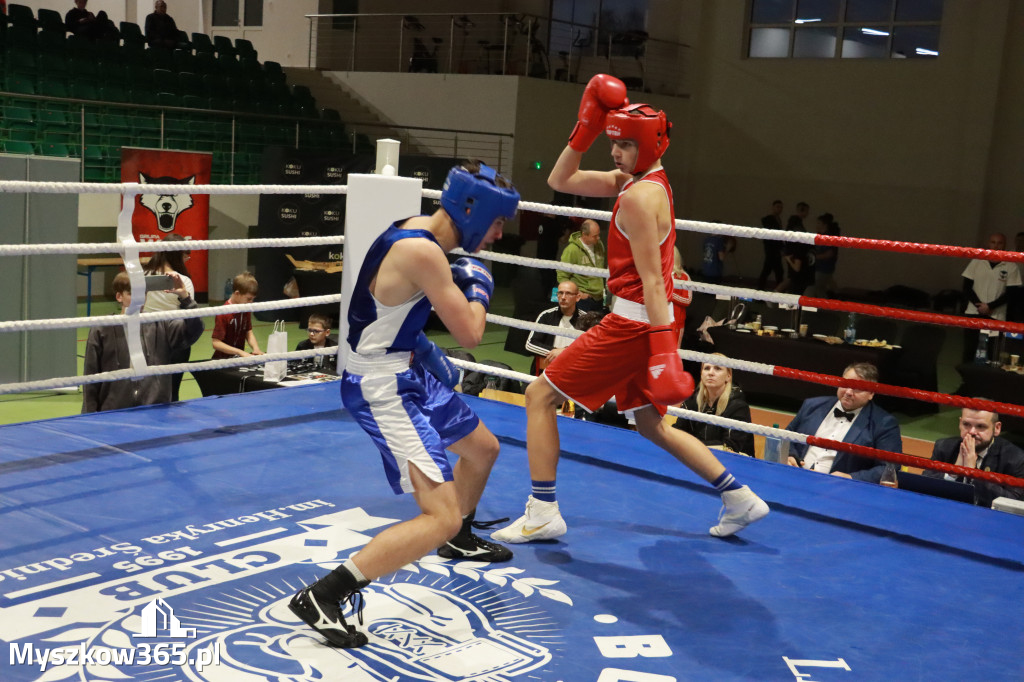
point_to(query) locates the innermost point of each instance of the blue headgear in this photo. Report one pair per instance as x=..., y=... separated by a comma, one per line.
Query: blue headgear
x=474, y=201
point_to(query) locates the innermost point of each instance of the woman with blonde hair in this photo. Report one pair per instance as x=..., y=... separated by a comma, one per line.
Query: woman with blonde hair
x=718, y=395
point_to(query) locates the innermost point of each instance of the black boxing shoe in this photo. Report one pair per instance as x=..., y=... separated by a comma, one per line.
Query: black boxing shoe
x=468, y=546
x=327, y=619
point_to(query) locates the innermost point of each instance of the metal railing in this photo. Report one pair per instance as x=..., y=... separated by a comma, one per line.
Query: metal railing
x=494, y=149
x=236, y=139
x=495, y=43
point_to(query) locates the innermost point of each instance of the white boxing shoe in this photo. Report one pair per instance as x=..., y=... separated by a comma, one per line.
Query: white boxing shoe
x=740, y=508
x=542, y=521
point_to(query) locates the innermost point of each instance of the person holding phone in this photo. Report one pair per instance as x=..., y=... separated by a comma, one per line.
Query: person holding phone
x=106, y=350
x=160, y=295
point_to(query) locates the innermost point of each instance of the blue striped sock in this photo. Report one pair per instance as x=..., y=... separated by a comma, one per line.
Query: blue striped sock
x=543, y=490
x=726, y=482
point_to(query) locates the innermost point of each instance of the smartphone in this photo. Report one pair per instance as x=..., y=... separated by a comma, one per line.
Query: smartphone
x=159, y=282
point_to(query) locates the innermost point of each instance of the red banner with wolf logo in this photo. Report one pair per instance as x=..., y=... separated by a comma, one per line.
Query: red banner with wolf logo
x=158, y=215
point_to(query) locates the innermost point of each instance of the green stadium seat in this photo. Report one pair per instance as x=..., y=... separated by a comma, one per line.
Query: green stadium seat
x=52, y=88
x=115, y=93
x=50, y=41
x=21, y=37
x=160, y=58
x=131, y=33
x=51, y=21
x=222, y=45
x=80, y=47
x=83, y=90
x=184, y=61
x=244, y=48
x=190, y=84
x=205, y=63
x=18, y=147
x=54, y=149
x=22, y=83
x=201, y=43
x=22, y=15
x=161, y=80
x=19, y=114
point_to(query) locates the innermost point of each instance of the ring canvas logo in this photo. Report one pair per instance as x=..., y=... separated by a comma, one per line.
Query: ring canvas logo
x=205, y=604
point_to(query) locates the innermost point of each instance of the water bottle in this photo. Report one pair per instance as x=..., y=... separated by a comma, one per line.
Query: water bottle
x=981, y=354
x=772, y=447
x=850, y=333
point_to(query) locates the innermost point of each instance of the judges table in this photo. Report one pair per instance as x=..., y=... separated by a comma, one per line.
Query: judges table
x=993, y=383
x=809, y=354
x=248, y=379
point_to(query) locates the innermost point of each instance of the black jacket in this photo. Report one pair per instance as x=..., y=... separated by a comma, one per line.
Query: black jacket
x=709, y=434
x=1003, y=458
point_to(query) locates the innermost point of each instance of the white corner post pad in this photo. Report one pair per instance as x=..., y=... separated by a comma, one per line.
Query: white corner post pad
x=387, y=156
x=373, y=203
x=133, y=266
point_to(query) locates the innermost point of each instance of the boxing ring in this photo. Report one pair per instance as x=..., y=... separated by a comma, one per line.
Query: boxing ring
x=162, y=543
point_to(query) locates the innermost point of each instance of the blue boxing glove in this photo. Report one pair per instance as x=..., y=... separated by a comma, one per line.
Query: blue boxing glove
x=474, y=279
x=435, y=361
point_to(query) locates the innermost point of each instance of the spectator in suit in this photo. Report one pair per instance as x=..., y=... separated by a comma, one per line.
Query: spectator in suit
x=546, y=347
x=718, y=395
x=772, y=247
x=853, y=418
x=980, y=447
x=585, y=248
x=161, y=31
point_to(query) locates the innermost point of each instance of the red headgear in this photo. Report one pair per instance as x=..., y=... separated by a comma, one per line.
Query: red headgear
x=645, y=124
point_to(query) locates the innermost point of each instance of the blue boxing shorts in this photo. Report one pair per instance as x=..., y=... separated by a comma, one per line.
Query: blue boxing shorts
x=412, y=418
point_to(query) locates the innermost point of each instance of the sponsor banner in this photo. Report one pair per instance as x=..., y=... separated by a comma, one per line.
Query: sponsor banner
x=158, y=215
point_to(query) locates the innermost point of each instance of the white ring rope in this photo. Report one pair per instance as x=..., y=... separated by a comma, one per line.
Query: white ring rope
x=155, y=370
x=186, y=245
x=163, y=315
x=39, y=187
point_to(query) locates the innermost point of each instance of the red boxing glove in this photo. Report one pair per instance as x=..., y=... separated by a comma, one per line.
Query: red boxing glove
x=602, y=94
x=667, y=381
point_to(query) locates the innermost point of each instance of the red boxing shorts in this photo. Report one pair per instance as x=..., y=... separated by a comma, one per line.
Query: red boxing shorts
x=609, y=360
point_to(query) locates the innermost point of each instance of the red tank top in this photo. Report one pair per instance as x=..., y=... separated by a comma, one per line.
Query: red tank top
x=623, y=279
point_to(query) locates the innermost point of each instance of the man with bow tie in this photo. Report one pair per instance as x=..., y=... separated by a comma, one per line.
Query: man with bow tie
x=853, y=418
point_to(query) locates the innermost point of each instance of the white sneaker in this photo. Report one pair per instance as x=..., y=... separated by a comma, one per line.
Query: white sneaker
x=740, y=508
x=542, y=521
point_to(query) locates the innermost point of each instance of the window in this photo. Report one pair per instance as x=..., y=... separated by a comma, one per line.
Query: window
x=849, y=29
x=236, y=13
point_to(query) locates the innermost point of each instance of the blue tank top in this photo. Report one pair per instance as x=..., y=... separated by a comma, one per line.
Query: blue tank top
x=373, y=328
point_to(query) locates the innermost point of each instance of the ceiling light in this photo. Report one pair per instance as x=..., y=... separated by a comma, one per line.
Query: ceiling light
x=873, y=32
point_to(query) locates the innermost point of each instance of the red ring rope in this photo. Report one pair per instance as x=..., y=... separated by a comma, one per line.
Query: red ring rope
x=911, y=460
x=899, y=391
x=914, y=247
x=915, y=315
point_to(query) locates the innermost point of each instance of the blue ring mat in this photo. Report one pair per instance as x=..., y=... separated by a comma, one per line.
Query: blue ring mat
x=214, y=511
